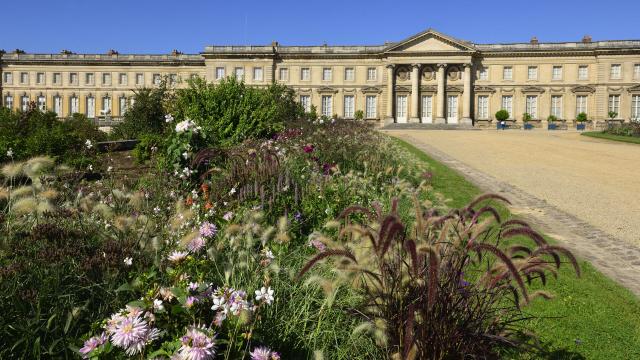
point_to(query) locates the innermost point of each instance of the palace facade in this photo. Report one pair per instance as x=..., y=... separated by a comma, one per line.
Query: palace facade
x=429, y=78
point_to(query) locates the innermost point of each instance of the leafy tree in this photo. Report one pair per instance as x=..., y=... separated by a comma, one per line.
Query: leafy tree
x=502, y=115
x=583, y=117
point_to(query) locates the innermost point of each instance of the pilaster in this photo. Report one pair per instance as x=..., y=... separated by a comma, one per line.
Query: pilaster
x=466, y=97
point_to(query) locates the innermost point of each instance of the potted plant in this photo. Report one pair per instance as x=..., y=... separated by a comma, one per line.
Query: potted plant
x=501, y=116
x=582, y=117
x=552, y=122
x=526, y=117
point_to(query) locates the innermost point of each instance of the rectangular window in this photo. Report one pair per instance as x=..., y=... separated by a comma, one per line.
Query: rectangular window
x=583, y=72
x=532, y=73
x=371, y=107
x=372, y=74
x=106, y=78
x=636, y=71
x=24, y=103
x=156, y=79
x=284, y=74
x=8, y=78
x=219, y=73
x=42, y=103
x=73, y=78
x=635, y=107
x=173, y=79
x=8, y=101
x=349, y=74
x=239, y=73
x=305, y=74
x=326, y=74
x=483, y=73
x=532, y=106
x=139, y=79
x=57, y=105
x=123, y=79
x=40, y=78
x=257, y=74
x=24, y=78
x=427, y=108
x=616, y=71
x=614, y=104
x=556, y=106
x=74, y=105
x=349, y=103
x=483, y=107
x=556, y=73
x=327, y=105
x=122, y=105
x=507, y=73
x=507, y=104
x=106, y=105
x=305, y=101
x=91, y=107
x=581, y=104
x=57, y=78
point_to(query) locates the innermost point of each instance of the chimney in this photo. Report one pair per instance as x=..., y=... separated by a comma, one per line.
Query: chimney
x=534, y=41
x=112, y=52
x=586, y=39
x=175, y=52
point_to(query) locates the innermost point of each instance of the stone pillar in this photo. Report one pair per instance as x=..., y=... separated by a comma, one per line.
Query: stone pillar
x=440, y=99
x=390, y=118
x=415, y=93
x=466, y=100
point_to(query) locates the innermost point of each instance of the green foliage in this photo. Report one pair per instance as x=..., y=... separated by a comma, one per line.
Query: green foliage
x=502, y=115
x=612, y=114
x=146, y=115
x=149, y=145
x=526, y=117
x=359, y=115
x=552, y=118
x=582, y=117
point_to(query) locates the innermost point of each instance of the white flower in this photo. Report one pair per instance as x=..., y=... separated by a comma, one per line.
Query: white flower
x=157, y=305
x=88, y=144
x=321, y=121
x=10, y=152
x=128, y=261
x=269, y=254
x=219, y=303
x=90, y=167
x=154, y=149
x=228, y=216
x=187, y=125
x=156, y=209
x=185, y=155
x=168, y=118
x=110, y=168
x=177, y=256
x=265, y=294
x=232, y=191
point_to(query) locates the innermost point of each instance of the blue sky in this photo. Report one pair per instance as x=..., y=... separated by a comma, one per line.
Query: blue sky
x=147, y=26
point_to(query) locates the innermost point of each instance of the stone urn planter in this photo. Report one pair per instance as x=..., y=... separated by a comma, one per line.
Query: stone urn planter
x=552, y=126
x=528, y=126
x=581, y=126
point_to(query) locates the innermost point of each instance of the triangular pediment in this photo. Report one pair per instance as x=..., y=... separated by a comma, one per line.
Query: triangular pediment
x=431, y=41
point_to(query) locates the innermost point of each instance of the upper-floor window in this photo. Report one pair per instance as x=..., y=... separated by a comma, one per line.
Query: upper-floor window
x=636, y=71
x=156, y=79
x=106, y=78
x=57, y=78
x=8, y=78
x=239, y=73
x=616, y=71
x=139, y=79
x=556, y=73
x=507, y=73
x=326, y=74
x=483, y=73
x=123, y=79
x=73, y=78
x=24, y=78
x=40, y=78
x=219, y=73
x=532, y=73
x=89, y=79
x=305, y=74
x=283, y=74
x=349, y=74
x=372, y=74
x=257, y=74
x=583, y=72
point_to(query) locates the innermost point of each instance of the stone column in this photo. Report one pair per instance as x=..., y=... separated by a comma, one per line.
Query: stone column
x=390, y=118
x=415, y=93
x=466, y=100
x=440, y=100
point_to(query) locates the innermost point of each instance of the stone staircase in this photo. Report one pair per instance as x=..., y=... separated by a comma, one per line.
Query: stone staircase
x=420, y=126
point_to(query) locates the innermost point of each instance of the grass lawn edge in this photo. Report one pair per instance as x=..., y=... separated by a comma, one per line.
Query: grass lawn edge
x=619, y=138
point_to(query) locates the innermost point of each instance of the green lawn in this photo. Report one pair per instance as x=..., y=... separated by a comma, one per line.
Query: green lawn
x=590, y=317
x=601, y=135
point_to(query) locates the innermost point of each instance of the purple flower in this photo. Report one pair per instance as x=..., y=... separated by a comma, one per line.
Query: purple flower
x=317, y=244
x=228, y=216
x=130, y=331
x=197, y=345
x=326, y=168
x=297, y=216
x=264, y=353
x=92, y=344
x=196, y=244
x=308, y=148
x=190, y=301
x=208, y=229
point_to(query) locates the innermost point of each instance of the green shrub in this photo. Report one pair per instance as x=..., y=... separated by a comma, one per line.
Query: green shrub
x=552, y=118
x=359, y=115
x=526, y=117
x=612, y=114
x=502, y=115
x=149, y=145
x=583, y=117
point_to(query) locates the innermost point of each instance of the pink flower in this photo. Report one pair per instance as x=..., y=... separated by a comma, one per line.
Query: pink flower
x=317, y=244
x=208, y=229
x=228, y=216
x=177, y=256
x=92, y=344
x=130, y=332
x=197, y=345
x=264, y=353
x=308, y=148
x=196, y=244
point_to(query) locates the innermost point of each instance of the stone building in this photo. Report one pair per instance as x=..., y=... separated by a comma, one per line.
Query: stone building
x=429, y=77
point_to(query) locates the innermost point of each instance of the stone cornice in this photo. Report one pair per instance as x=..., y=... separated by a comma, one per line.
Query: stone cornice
x=634, y=89
x=532, y=89
x=484, y=89
x=371, y=90
x=327, y=90
x=583, y=89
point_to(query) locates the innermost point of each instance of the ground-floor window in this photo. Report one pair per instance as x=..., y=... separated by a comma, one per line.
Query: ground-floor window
x=42, y=103
x=305, y=101
x=123, y=105
x=532, y=106
x=106, y=105
x=483, y=107
x=614, y=104
x=507, y=104
x=427, y=107
x=8, y=101
x=327, y=105
x=635, y=107
x=371, y=107
x=349, y=103
x=74, y=104
x=24, y=102
x=581, y=104
x=57, y=105
x=91, y=107
x=556, y=106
